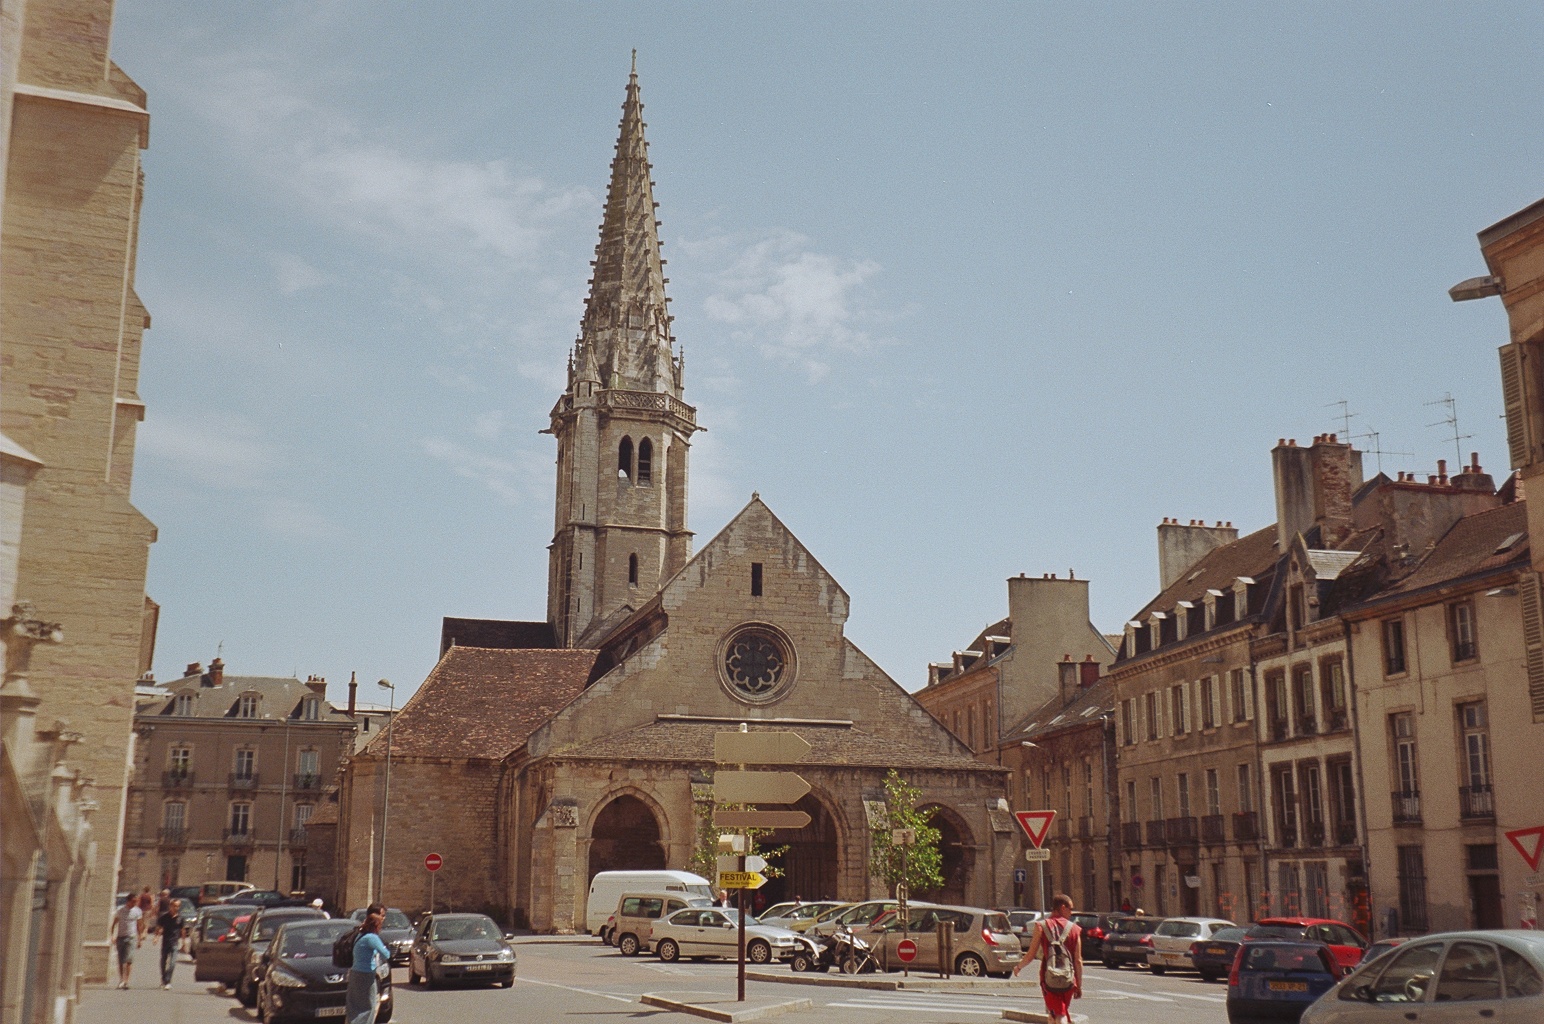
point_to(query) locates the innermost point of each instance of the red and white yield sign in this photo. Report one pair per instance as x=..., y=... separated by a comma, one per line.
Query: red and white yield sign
x=433, y=862
x=1529, y=843
x=906, y=950
x=1035, y=824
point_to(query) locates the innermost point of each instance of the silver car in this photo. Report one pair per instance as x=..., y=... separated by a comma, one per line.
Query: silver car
x=1479, y=976
x=1172, y=940
x=715, y=931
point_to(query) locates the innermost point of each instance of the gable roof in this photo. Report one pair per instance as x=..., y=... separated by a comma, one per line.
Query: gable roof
x=1083, y=709
x=1476, y=544
x=481, y=703
x=280, y=698
x=1254, y=555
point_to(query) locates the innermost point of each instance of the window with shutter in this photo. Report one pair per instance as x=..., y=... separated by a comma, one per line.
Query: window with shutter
x=1533, y=641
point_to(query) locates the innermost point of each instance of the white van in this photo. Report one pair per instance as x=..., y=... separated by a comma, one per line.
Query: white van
x=607, y=887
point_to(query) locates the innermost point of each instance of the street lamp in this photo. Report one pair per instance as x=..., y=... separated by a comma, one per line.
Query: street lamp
x=391, y=716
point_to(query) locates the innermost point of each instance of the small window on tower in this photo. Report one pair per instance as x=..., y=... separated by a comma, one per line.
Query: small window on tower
x=645, y=462
x=755, y=579
x=632, y=570
x=625, y=458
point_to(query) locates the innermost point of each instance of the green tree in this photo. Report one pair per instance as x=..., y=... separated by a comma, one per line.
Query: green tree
x=924, y=860
x=705, y=852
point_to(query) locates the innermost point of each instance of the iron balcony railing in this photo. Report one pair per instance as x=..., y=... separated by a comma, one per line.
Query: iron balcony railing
x=308, y=781
x=1062, y=829
x=173, y=836
x=1407, y=807
x=1345, y=833
x=1339, y=721
x=1280, y=729
x=1212, y=831
x=1313, y=834
x=1286, y=833
x=1246, y=827
x=177, y=778
x=1307, y=726
x=243, y=780
x=1155, y=833
x=1131, y=835
x=242, y=838
x=1181, y=831
x=297, y=837
x=1476, y=802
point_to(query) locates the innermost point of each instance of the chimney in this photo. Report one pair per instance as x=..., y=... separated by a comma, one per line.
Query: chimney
x=317, y=685
x=1090, y=670
x=353, y=692
x=1314, y=487
x=1181, y=546
x=216, y=672
x=1067, y=678
x=195, y=668
x=1473, y=478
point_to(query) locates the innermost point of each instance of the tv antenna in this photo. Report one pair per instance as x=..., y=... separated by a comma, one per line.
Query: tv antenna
x=1345, y=417
x=1451, y=421
x=1375, y=448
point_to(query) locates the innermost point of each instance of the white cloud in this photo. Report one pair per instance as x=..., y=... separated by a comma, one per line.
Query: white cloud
x=293, y=274
x=792, y=303
x=512, y=480
x=218, y=451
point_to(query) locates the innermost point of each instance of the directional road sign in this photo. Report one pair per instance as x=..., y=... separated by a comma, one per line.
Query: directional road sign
x=1035, y=825
x=1529, y=843
x=760, y=819
x=729, y=864
x=771, y=747
x=1034, y=855
x=757, y=787
x=741, y=880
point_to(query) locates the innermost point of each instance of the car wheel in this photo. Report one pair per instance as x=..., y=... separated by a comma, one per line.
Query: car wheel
x=669, y=952
x=605, y=937
x=628, y=945
x=412, y=975
x=1111, y=965
x=1157, y=969
x=384, y=1016
x=801, y=963
x=758, y=952
x=429, y=981
x=969, y=965
x=245, y=995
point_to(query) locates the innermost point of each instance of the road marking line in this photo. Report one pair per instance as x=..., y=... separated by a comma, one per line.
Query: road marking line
x=584, y=991
x=914, y=1009
x=1204, y=999
x=914, y=1002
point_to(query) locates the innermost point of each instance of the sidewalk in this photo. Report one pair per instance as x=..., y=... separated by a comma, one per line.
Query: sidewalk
x=186, y=1002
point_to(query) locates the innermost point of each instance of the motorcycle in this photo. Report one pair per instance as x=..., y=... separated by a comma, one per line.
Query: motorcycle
x=852, y=954
x=811, y=954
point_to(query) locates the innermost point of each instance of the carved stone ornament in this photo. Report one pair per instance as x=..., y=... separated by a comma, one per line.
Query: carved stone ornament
x=756, y=663
x=563, y=815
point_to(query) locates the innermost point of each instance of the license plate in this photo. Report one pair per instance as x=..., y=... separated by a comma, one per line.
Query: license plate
x=331, y=1011
x=1287, y=986
x=1217, y=950
x=480, y=967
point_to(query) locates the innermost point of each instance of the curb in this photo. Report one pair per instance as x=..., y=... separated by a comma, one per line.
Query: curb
x=728, y=1016
x=892, y=983
x=1026, y=1015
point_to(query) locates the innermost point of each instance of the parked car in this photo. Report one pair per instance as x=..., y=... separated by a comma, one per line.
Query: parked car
x=1472, y=976
x=1276, y=980
x=254, y=943
x=396, y=932
x=715, y=932
x=1213, y=957
x=1094, y=929
x=460, y=947
x=1129, y=942
x=983, y=942
x=1344, y=941
x=216, y=938
x=636, y=911
x=848, y=915
x=607, y=887
x=1022, y=922
x=300, y=981
x=797, y=917
x=1171, y=941
x=214, y=892
x=266, y=898
x=1380, y=947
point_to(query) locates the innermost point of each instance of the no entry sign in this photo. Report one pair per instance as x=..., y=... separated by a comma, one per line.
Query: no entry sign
x=906, y=950
x=432, y=862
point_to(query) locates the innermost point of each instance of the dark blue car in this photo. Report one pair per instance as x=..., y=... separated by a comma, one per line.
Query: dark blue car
x=1213, y=957
x=1276, y=981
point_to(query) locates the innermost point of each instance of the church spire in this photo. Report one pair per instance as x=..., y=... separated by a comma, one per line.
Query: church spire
x=626, y=327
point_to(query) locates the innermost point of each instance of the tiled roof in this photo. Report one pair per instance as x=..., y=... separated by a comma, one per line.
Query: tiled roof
x=1053, y=716
x=280, y=698
x=1471, y=547
x=481, y=703
x=835, y=746
x=1253, y=555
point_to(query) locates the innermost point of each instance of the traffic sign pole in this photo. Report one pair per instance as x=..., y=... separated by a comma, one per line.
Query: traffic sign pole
x=432, y=864
x=740, y=973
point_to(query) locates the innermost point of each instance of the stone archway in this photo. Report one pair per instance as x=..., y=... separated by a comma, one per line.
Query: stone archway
x=959, y=856
x=625, y=836
x=810, y=865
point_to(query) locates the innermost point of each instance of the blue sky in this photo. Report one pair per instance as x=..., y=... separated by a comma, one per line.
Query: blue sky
x=965, y=290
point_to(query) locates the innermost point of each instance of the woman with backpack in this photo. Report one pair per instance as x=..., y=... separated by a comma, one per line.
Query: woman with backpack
x=1058, y=943
x=369, y=953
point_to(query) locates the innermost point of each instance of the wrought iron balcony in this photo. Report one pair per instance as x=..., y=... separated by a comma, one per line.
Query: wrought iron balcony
x=243, y=780
x=1286, y=833
x=243, y=838
x=1345, y=833
x=308, y=781
x=1181, y=831
x=1313, y=834
x=1155, y=833
x=1212, y=831
x=1407, y=807
x=1246, y=827
x=1339, y=721
x=173, y=836
x=1476, y=802
x=1307, y=725
x=1279, y=729
x=297, y=838
x=1131, y=835
x=177, y=778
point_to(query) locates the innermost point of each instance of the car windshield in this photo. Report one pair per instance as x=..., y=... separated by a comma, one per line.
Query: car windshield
x=267, y=925
x=311, y=941
x=464, y=929
x=697, y=889
x=1179, y=929
x=1276, y=931
x=1296, y=958
x=996, y=923
x=394, y=917
x=1139, y=925
x=1228, y=935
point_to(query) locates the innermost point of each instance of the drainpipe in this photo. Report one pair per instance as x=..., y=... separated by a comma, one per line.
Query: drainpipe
x=1361, y=783
x=1261, y=789
x=1111, y=848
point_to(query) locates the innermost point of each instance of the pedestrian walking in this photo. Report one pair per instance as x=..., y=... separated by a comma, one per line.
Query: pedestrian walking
x=126, y=937
x=146, y=911
x=168, y=924
x=1058, y=944
x=369, y=953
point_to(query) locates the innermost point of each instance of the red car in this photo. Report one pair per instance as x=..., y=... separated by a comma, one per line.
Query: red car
x=1345, y=942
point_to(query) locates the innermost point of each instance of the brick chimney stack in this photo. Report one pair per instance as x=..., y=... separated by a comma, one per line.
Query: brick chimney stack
x=1314, y=487
x=216, y=672
x=1181, y=546
x=317, y=685
x=1090, y=670
x=353, y=692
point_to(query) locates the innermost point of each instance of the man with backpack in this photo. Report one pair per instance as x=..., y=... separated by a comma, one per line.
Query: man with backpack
x=1058, y=943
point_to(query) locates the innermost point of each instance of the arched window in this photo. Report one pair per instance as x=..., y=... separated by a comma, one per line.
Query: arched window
x=625, y=458
x=645, y=461
x=632, y=568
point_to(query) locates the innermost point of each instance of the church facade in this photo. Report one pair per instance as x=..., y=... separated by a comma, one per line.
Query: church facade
x=587, y=744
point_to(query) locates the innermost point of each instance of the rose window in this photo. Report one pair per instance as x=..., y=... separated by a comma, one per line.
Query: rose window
x=756, y=663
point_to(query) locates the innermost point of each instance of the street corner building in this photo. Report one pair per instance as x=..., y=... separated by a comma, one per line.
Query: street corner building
x=537, y=754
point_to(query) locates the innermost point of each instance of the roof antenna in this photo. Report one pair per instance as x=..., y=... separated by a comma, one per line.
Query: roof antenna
x=1345, y=417
x=1451, y=420
x=1377, y=449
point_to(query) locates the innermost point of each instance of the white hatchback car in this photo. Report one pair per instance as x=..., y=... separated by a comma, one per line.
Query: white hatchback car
x=1172, y=939
x=1478, y=976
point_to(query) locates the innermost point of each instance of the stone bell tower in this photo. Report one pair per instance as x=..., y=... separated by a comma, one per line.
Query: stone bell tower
x=621, y=426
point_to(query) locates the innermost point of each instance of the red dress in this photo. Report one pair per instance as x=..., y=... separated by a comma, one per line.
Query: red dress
x=1058, y=1004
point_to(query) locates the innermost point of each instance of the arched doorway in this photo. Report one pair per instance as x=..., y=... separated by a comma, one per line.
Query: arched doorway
x=809, y=867
x=959, y=857
x=625, y=837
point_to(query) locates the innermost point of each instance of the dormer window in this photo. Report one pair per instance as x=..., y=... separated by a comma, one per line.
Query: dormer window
x=1241, y=597
x=246, y=705
x=1209, y=606
x=182, y=705
x=311, y=709
x=1155, y=629
x=1182, y=620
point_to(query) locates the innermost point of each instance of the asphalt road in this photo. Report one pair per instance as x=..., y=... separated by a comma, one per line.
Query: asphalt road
x=579, y=980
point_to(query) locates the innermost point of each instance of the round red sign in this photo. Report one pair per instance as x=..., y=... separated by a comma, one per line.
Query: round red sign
x=433, y=862
x=906, y=950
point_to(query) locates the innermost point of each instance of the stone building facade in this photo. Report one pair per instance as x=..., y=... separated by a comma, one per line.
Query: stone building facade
x=72, y=126
x=599, y=753
x=228, y=771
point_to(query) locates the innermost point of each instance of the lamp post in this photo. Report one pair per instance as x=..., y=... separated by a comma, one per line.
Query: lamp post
x=391, y=717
